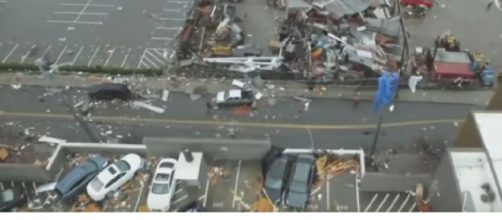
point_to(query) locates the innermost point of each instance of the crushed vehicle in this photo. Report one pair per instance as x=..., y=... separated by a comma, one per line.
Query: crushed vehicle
x=114, y=176
x=234, y=97
x=110, y=91
x=11, y=198
x=77, y=179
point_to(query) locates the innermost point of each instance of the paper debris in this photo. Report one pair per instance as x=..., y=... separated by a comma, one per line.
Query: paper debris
x=238, y=83
x=46, y=187
x=258, y=96
x=165, y=95
x=149, y=107
x=51, y=140
x=16, y=86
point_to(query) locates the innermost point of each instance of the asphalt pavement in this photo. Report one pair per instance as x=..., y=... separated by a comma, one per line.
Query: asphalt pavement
x=329, y=123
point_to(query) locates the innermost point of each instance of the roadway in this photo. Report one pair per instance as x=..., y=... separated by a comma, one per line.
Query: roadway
x=328, y=123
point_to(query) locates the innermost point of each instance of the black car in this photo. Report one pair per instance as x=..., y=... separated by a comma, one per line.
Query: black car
x=276, y=177
x=77, y=179
x=11, y=198
x=300, y=181
x=109, y=91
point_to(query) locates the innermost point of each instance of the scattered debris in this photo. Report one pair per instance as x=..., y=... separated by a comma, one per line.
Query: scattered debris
x=51, y=140
x=165, y=95
x=149, y=107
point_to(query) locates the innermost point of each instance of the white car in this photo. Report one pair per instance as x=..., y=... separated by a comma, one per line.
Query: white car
x=163, y=186
x=114, y=176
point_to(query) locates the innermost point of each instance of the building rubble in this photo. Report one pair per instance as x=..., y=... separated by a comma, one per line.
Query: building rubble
x=317, y=40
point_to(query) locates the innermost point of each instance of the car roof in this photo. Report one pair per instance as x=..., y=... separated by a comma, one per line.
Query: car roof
x=278, y=167
x=75, y=175
x=234, y=93
x=107, y=174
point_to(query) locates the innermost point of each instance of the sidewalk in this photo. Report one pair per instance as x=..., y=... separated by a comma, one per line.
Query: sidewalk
x=268, y=88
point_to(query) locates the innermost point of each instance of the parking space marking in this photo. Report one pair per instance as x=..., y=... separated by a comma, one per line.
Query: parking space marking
x=311, y=138
x=327, y=194
x=172, y=19
x=82, y=4
x=76, y=56
x=170, y=9
x=151, y=62
x=23, y=184
x=46, y=51
x=383, y=202
x=60, y=54
x=178, y=2
x=206, y=192
x=34, y=187
x=156, y=58
x=144, y=64
x=109, y=57
x=139, y=196
x=83, y=10
x=23, y=58
x=412, y=207
x=357, y=193
x=94, y=55
x=163, y=51
x=125, y=58
x=371, y=202
x=236, y=183
x=393, y=202
x=10, y=53
x=76, y=22
x=12, y=184
x=162, y=38
x=178, y=191
x=59, y=174
x=1, y=186
x=167, y=28
x=180, y=199
x=77, y=13
x=404, y=203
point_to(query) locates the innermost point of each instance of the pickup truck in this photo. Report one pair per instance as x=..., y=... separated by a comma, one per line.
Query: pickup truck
x=234, y=97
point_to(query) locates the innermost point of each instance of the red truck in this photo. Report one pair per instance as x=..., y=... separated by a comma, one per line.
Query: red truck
x=417, y=3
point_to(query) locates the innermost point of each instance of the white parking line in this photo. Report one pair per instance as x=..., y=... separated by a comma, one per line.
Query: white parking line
x=167, y=28
x=161, y=38
x=82, y=4
x=327, y=194
x=83, y=10
x=393, y=202
x=1, y=186
x=178, y=2
x=404, y=203
x=76, y=56
x=144, y=64
x=23, y=184
x=180, y=199
x=12, y=184
x=76, y=13
x=125, y=58
x=170, y=9
x=139, y=197
x=162, y=55
x=178, y=191
x=151, y=62
x=412, y=207
x=60, y=55
x=156, y=58
x=92, y=58
x=75, y=22
x=357, y=194
x=10, y=53
x=109, y=57
x=34, y=187
x=46, y=51
x=236, y=182
x=206, y=192
x=383, y=202
x=371, y=202
x=172, y=19
x=23, y=58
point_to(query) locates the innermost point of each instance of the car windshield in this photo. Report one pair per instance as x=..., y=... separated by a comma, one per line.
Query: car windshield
x=162, y=177
x=160, y=188
x=166, y=165
x=96, y=184
x=123, y=165
x=7, y=195
x=299, y=187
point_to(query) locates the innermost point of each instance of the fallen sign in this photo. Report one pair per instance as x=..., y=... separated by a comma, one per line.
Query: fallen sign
x=149, y=107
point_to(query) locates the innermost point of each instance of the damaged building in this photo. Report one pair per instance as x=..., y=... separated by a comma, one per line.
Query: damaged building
x=320, y=41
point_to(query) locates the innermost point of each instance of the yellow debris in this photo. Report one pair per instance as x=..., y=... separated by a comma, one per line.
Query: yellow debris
x=143, y=208
x=263, y=205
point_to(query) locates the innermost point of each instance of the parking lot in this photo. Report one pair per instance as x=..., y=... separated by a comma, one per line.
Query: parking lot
x=108, y=33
